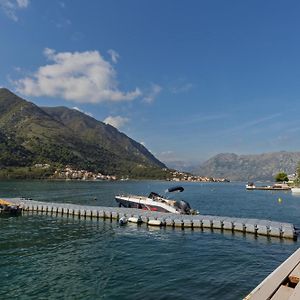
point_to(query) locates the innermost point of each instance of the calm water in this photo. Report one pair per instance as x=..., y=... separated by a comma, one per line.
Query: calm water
x=44, y=257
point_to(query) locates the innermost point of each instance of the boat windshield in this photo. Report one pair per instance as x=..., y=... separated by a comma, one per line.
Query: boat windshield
x=154, y=196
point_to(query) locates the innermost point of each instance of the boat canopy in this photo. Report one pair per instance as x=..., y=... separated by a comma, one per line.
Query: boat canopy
x=175, y=189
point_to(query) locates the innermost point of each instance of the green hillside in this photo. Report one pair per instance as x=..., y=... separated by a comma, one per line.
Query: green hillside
x=60, y=136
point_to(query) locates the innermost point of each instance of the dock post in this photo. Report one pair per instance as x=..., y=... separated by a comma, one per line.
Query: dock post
x=275, y=231
x=239, y=226
x=101, y=214
x=197, y=223
x=217, y=224
x=262, y=228
x=251, y=227
x=90, y=214
x=115, y=215
x=169, y=222
x=187, y=223
x=288, y=231
x=207, y=223
x=109, y=215
x=95, y=213
x=228, y=224
x=178, y=223
x=145, y=219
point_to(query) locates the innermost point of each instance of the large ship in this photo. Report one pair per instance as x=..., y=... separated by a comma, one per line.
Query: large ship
x=156, y=202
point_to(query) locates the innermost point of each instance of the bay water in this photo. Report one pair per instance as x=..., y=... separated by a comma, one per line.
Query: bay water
x=49, y=257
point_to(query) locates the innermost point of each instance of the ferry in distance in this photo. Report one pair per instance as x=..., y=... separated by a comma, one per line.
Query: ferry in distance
x=156, y=202
x=296, y=190
x=274, y=187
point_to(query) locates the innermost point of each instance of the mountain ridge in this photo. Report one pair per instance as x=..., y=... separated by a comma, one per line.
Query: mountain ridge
x=249, y=167
x=66, y=136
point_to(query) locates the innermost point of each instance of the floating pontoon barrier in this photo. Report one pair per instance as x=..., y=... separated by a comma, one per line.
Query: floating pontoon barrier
x=254, y=226
x=155, y=223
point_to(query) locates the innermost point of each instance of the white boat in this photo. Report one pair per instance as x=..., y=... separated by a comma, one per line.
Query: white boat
x=156, y=202
x=274, y=187
x=296, y=190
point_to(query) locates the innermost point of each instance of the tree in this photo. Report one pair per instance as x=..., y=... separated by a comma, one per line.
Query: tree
x=281, y=176
x=298, y=171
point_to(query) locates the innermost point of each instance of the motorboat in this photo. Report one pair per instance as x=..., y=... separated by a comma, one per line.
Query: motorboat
x=8, y=209
x=156, y=202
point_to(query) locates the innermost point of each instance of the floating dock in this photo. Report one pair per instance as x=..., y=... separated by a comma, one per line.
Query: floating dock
x=281, y=284
x=252, y=226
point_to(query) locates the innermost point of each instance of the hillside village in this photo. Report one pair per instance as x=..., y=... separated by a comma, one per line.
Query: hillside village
x=69, y=173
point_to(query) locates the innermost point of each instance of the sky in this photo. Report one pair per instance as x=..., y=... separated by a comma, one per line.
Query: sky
x=187, y=79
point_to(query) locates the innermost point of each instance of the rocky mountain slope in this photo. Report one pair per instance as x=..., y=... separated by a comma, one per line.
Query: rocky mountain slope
x=249, y=167
x=30, y=134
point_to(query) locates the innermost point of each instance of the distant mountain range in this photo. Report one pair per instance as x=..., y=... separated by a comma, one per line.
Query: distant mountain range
x=249, y=167
x=58, y=135
x=61, y=136
x=180, y=165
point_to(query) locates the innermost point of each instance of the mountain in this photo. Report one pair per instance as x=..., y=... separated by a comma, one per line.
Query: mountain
x=249, y=167
x=179, y=165
x=102, y=135
x=58, y=135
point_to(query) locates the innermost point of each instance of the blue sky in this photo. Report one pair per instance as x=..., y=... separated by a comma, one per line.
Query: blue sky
x=189, y=79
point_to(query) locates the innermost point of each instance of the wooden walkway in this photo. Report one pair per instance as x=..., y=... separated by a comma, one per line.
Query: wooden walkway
x=252, y=226
x=281, y=284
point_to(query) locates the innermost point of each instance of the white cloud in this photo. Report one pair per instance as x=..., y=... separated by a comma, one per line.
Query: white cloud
x=10, y=7
x=62, y=4
x=23, y=3
x=84, y=112
x=152, y=93
x=167, y=155
x=116, y=121
x=114, y=55
x=83, y=77
x=63, y=23
x=182, y=88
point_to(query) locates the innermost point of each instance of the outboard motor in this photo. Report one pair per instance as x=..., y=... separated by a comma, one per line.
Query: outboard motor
x=184, y=207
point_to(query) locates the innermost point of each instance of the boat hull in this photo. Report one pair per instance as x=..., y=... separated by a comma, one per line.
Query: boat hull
x=267, y=188
x=275, y=187
x=296, y=191
x=123, y=202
